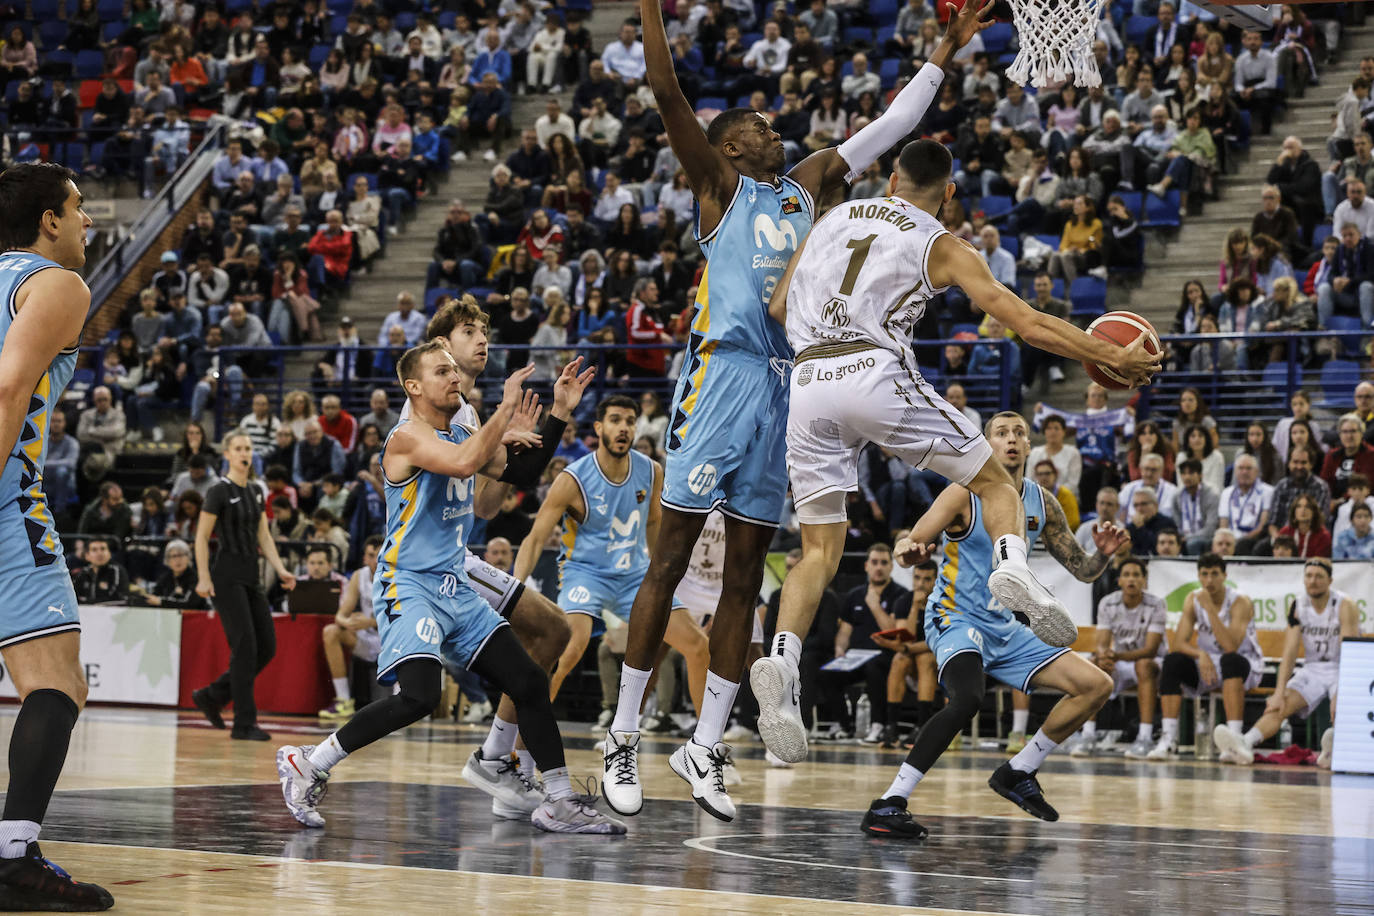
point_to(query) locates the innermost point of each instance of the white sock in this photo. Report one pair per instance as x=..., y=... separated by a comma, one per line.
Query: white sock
x=1020, y=718
x=341, y=688
x=1010, y=548
x=1253, y=737
x=632, y=684
x=500, y=740
x=789, y=646
x=715, y=709
x=905, y=783
x=327, y=753
x=1170, y=729
x=1030, y=757
x=1145, y=732
x=1090, y=729
x=557, y=784
x=526, y=761
x=15, y=837
x=1236, y=725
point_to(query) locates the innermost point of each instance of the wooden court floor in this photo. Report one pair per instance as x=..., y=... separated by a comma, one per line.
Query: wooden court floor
x=173, y=817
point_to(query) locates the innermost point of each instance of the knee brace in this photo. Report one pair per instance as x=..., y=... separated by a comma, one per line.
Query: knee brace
x=421, y=687
x=1177, y=668
x=963, y=681
x=1234, y=665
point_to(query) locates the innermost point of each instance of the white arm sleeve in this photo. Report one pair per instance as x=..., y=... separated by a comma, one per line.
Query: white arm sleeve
x=906, y=111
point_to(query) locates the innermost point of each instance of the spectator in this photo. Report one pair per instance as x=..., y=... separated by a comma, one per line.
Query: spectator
x=552, y=333
x=1137, y=111
x=767, y=57
x=1352, y=456
x=457, y=250
x=108, y=514
x=544, y=60
x=1299, y=180
x=570, y=447
x=59, y=471
x=1364, y=407
x=598, y=134
x=260, y=426
x=1146, y=441
x=1191, y=411
x=827, y=123
x=1188, y=163
x=101, y=580
x=958, y=399
x=553, y=121
x=101, y=429
x=1276, y=221
x=1152, y=478
x=1320, y=272
x=1357, y=208
x=488, y=118
x=170, y=278
x=1270, y=264
x=1105, y=507
x=316, y=455
x=1350, y=287
x=1048, y=477
x=1016, y=112
x=510, y=522
x=1081, y=243
x=176, y=582
x=198, y=476
x=1197, y=445
x=1145, y=522
x=1356, y=493
x=865, y=610
x=505, y=207
x=624, y=58
x=379, y=414
x=1150, y=149
x=325, y=528
x=1347, y=122
x=1034, y=359
x=1360, y=167
x=1307, y=528
x=334, y=245
x=1356, y=542
x=530, y=166
x=1299, y=482
x=1256, y=81
x=1067, y=461
x=1198, y=502
x=553, y=276
x=337, y=423
x=541, y=234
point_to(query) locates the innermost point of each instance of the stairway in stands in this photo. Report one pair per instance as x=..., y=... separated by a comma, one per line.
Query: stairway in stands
x=1195, y=251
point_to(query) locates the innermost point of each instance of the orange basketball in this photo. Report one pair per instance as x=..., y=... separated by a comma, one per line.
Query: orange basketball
x=1120, y=328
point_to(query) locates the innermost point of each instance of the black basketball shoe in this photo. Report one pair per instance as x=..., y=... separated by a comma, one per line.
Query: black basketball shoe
x=31, y=882
x=889, y=819
x=208, y=707
x=1023, y=789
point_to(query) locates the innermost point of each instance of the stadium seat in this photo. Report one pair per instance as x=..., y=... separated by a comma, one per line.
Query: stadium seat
x=405, y=22
x=90, y=65
x=1319, y=234
x=86, y=93
x=432, y=296
x=996, y=37
x=110, y=10
x=1136, y=29
x=1275, y=376
x=339, y=6
x=44, y=12
x=1134, y=201
x=884, y=11
x=996, y=206
x=51, y=33
x=1350, y=345
x=888, y=71
x=1339, y=378
x=1088, y=296
x=714, y=102
x=885, y=34
x=1012, y=244
x=858, y=34
x=318, y=54
x=1161, y=213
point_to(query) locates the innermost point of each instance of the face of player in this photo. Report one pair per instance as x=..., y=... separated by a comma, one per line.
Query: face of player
x=922, y=584
x=468, y=344
x=439, y=384
x=370, y=557
x=70, y=230
x=239, y=451
x=1213, y=579
x=879, y=568
x=1131, y=581
x=759, y=146
x=1010, y=441
x=616, y=431
x=1316, y=580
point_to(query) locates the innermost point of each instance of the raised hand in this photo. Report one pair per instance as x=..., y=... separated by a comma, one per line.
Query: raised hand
x=571, y=385
x=971, y=19
x=1109, y=536
x=909, y=553
x=521, y=438
x=527, y=414
x=512, y=394
x=1137, y=364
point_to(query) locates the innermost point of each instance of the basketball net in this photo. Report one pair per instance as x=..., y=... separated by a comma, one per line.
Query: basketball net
x=1056, y=39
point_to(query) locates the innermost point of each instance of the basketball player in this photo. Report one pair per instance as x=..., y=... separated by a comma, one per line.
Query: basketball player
x=972, y=634
x=354, y=629
x=858, y=286
x=725, y=432
x=42, y=245
x=540, y=626
x=1318, y=620
x=1226, y=654
x=427, y=608
x=608, y=505
x=1131, y=624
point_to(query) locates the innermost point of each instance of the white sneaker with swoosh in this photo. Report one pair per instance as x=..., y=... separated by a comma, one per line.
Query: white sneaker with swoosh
x=704, y=770
x=780, y=721
x=302, y=785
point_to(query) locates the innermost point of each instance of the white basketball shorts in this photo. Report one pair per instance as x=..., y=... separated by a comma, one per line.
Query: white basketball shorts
x=1314, y=682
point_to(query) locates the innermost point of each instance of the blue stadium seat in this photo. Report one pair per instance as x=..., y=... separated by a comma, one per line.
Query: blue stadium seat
x=1012, y=244
x=1088, y=295
x=885, y=34
x=994, y=206
x=339, y=6
x=888, y=71
x=884, y=11
x=1319, y=234
x=1137, y=27
x=1134, y=201
x=963, y=329
x=318, y=54
x=996, y=38
x=1339, y=378
x=1350, y=345
x=51, y=32
x=1161, y=212
x=405, y=22
x=371, y=179
x=1051, y=240
x=110, y=10
x=111, y=31
x=855, y=34
x=1275, y=376
x=447, y=19
x=90, y=65
x=712, y=101
x=432, y=296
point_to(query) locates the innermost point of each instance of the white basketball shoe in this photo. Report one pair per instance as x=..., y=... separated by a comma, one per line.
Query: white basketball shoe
x=1232, y=746
x=513, y=795
x=778, y=693
x=302, y=784
x=704, y=770
x=620, y=776
x=1015, y=586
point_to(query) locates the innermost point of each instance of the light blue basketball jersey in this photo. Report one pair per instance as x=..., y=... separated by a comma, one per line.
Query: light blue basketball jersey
x=22, y=479
x=961, y=588
x=746, y=255
x=427, y=518
x=612, y=538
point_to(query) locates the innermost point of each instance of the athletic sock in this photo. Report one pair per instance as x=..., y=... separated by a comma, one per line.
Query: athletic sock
x=1010, y=548
x=526, y=762
x=341, y=690
x=1020, y=719
x=632, y=684
x=905, y=783
x=1236, y=725
x=715, y=709
x=1253, y=737
x=1145, y=732
x=15, y=837
x=1089, y=729
x=1169, y=729
x=327, y=753
x=500, y=740
x=788, y=645
x=1029, y=758
x=557, y=784
x=38, y=749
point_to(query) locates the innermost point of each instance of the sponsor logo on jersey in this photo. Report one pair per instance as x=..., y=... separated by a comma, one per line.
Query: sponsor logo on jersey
x=975, y=637
x=626, y=528
x=459, y=487
x=791, y=205
x=1032, y=523
x=779, y=236
x=836, y=313
x=428, y=631
x=702, y=479
x=641, y=495
x=804, y=375
x=838, y=373
x=579, y=595
x=448, y=586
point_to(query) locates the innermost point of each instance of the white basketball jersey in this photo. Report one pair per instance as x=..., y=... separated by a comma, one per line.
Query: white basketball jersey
x=363, y=576
x=862, y=278
x=700, y=587
x=1321, y=629
x=466, y=415
x=1131, y=626
x=1207, y=639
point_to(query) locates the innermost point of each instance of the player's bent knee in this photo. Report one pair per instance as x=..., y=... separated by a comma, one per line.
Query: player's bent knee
x=1234, y=666
x=1174, y=671
x=331, y=633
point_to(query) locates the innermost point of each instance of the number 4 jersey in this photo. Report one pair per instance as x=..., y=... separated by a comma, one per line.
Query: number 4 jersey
x=610, y=540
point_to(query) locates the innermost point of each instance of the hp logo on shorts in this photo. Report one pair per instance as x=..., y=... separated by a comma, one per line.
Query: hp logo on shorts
x=805, y=374
x=702, y=479
x=579, y=595
x=976, y=637
x=428, y=631
x=448, y=588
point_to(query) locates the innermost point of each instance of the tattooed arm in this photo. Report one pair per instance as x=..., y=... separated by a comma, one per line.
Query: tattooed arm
x=1064, y=547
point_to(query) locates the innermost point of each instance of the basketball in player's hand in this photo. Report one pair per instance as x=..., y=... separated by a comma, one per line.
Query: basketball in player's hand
x=1121, y=328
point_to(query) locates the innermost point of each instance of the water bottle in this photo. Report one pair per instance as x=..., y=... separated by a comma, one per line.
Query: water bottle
x=1203, y=744
x=1285, y=734
x=863, y=716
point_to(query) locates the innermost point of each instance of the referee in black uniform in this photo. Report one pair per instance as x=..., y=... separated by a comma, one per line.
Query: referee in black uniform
x=233, y=585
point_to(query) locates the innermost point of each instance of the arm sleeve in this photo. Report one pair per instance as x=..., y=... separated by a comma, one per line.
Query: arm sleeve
x=906, y=111
x=523, y=469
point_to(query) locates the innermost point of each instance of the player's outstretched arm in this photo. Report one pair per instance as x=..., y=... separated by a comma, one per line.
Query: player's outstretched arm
x=948, y=511
x=954, y=262
x=710, y=174
x=52, y=307
x=413, y=447
x=563, y=495
x=1064, y=547
x=828, y=169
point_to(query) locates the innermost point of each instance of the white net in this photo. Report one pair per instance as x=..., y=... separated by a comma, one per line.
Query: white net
x=1056, y=42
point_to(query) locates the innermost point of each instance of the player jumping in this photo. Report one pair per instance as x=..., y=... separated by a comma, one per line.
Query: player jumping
x=850, y=320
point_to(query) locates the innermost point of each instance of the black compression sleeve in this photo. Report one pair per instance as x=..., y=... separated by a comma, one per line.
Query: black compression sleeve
x=524, y=468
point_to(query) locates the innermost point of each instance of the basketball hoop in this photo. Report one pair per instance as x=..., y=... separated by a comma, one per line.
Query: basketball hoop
x=1056, y=42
